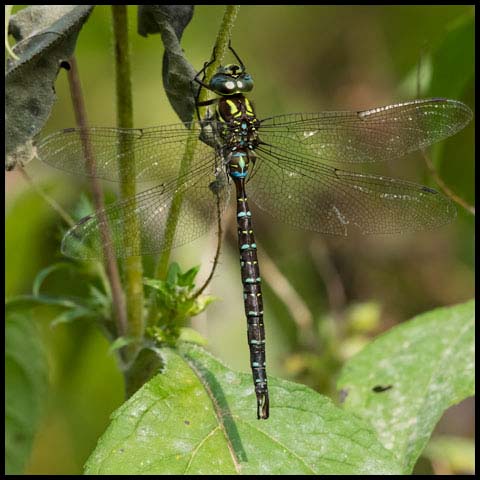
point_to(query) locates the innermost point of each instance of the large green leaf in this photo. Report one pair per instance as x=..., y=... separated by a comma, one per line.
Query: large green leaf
x=199, y=417
x=403, y=381
x=25, y=387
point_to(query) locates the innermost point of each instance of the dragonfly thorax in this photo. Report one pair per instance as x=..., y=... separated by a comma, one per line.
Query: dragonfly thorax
x=239, y=121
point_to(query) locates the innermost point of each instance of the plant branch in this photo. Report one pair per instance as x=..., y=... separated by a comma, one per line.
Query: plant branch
x=132, y=265
x=118, y=301
x=331, y=277
x=217, y=251
x=286, y=292
x=221, y=46
x=446, y=190
x=443, y=186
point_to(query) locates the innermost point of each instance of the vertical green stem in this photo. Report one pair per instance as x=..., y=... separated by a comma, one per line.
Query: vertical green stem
x=133, y=265
x=221, y=46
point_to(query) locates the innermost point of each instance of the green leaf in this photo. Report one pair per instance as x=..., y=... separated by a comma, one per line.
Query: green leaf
x=71, y=315
x=200, y=304
x=428, y=363
x=25, y=387
x=192, y=336
x=120, y=342
x=199, y=417
x=74, y=310
x=187, y=279
x=173, y=273
x=28, y=301
x=43, y=274
x=154, y=283
x=99, y=301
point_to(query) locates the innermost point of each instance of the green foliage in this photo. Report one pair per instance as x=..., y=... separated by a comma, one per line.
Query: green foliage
x=175, y=303
x=198, y=417
x=93, y=306
x=306, y=433
x=460, y=37
x=25, y=387
x=28, y=237
x=429, y=364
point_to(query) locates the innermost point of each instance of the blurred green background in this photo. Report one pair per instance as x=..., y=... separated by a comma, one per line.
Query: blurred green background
x=324, y=297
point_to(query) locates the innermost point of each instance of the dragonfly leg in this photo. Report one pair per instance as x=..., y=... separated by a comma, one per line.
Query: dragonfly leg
x=242, y=66
x=201, y=83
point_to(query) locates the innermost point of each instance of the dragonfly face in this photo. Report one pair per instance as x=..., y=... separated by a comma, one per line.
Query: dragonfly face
x=231, y=79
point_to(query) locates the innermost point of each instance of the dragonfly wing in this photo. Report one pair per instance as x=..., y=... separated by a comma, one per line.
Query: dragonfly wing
x=151, y=153
x=367, y=136
x=139, y=225
x=324, y=199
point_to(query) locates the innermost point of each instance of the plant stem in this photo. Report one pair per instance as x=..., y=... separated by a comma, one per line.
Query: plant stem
x=443, y=186
x=132, y=265
x=221, y=46
x=118, y=301
x=217, y=252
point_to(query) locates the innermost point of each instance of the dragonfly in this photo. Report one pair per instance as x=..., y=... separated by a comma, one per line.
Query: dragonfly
x=291, y=165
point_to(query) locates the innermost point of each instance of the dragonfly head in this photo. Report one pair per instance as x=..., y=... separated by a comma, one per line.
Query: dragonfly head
x=231, y=79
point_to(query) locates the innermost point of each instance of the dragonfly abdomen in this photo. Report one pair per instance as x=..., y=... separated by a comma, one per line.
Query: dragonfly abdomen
x=252, y=293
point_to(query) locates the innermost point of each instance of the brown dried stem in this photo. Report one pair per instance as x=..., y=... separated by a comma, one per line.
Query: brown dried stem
x=118, y=302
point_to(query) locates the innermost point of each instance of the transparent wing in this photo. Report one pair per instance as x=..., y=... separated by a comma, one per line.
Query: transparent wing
x=368, y=136
x=157, y=151
x=328, y=200
x=146, y=216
